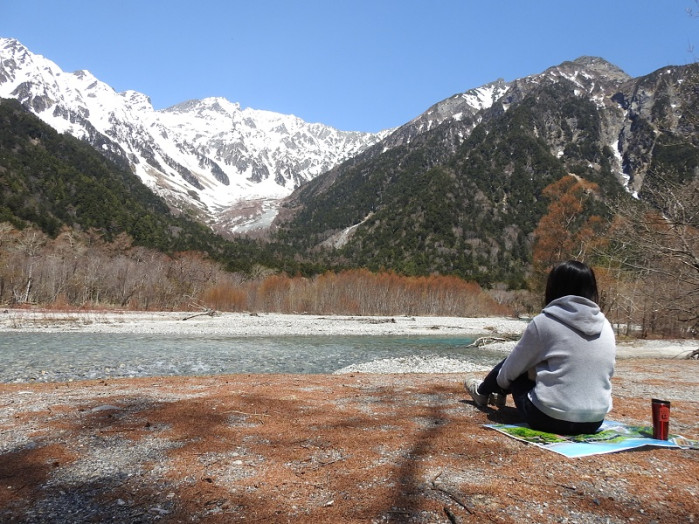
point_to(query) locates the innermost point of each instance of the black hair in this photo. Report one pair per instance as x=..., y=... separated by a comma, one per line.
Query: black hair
x=571, y=278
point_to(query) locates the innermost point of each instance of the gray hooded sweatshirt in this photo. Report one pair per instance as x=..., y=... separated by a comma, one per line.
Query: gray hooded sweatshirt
x=569, y=351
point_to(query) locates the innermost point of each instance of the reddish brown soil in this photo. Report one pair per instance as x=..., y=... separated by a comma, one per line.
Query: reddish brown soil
x=327, y=448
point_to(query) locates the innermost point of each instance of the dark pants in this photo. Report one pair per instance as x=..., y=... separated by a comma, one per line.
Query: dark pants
x=519, y=389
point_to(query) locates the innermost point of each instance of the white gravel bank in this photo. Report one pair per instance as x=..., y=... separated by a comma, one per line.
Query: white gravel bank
x=253, y=325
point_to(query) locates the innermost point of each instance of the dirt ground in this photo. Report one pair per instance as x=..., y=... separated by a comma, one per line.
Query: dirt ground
x=328, y=448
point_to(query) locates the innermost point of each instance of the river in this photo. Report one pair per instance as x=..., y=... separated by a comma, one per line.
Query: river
x=59, y=357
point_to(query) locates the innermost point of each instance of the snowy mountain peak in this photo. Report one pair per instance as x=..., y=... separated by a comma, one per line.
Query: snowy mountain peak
x=137, y=101
x=13, y=49
x=592, y=74
x=217, y=104
x=206, y=156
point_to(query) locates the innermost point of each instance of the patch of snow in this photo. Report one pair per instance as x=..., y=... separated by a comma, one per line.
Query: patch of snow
x=618, y=164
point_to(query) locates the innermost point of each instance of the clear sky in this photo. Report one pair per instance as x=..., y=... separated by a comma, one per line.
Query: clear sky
x=361, y=65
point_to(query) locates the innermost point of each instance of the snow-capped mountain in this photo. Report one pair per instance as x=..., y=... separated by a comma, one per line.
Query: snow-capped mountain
x=462, y=186
x=227, y=165
x=240, y=169
x=462, y=106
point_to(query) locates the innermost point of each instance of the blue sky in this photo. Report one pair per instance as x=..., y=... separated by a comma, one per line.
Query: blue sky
x=362, y=65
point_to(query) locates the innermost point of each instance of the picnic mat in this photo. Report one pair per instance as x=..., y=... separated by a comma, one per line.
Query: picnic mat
x=611, y=437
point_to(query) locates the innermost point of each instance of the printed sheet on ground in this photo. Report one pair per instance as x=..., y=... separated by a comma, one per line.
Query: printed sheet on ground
x=611, y=437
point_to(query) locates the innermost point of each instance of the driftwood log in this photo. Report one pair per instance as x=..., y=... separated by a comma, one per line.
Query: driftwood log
x=207, y=311
x=484, y=341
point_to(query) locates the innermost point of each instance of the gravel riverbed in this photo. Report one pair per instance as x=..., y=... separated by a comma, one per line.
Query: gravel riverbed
x=366, y=445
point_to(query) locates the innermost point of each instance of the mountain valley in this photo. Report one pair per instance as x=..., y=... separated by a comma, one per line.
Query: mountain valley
x=460, y=189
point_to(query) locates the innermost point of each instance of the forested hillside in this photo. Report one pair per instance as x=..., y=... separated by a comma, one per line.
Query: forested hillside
x=77, y=230
x=55, y=181
x=467, y=196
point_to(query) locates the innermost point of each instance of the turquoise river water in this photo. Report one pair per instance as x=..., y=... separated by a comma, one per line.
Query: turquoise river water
x=54, y=357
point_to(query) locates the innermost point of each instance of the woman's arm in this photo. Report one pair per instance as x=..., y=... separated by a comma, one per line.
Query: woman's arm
x=525, y=355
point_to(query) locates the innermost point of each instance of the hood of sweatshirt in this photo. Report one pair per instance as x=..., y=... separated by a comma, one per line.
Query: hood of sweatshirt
x=577, y=312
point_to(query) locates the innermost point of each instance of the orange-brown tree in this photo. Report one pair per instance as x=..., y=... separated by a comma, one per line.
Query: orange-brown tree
x=570, y=228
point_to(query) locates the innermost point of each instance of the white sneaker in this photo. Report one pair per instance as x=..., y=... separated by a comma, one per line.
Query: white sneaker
x=471, y=386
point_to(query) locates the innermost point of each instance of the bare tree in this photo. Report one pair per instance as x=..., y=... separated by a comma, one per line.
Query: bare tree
x=659, y=245
x=30, y=244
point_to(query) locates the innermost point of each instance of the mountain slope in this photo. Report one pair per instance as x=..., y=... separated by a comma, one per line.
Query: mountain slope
x=465, y=196
x=55, y=181
x=207, y=157
x=456, y=190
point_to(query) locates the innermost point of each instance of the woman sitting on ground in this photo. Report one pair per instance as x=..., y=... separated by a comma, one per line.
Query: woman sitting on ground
x=559, y=373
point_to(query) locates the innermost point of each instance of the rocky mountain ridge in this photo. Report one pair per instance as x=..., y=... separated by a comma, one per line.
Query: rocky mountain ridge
x=465, y=193
x=211, y=158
